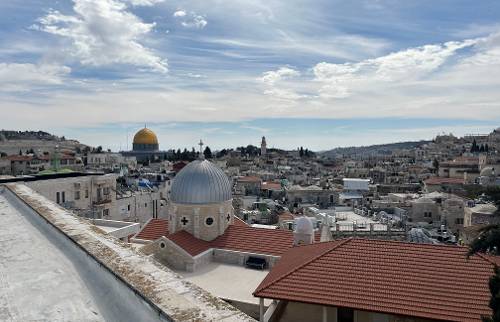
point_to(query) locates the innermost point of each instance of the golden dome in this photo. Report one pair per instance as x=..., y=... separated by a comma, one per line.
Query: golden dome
x=145, y=136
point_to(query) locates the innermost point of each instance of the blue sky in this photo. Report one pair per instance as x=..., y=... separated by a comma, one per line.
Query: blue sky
x=319, y=74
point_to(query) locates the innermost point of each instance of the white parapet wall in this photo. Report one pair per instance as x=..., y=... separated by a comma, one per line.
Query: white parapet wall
x=124, y=284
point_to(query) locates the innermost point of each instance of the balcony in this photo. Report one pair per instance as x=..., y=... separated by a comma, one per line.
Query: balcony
x=102, y=201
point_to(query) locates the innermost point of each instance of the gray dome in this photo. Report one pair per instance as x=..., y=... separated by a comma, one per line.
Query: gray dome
x=200, y=182
x=487, y=172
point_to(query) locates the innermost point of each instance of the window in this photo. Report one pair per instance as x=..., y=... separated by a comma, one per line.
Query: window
x=86, y=193
x=58, y=197
x=128, y=207
x=459, y=221
x=145, y=205
x=105, y=212
x=63, y=197
x=106, y=191
x=209, y=221
x=345, y=315
x=77, y=195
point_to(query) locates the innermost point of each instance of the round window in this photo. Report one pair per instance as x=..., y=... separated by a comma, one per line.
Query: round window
x=209, y=221
x=163, y=245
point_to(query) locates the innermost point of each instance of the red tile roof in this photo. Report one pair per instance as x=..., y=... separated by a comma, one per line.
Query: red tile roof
x=154, y=229
x=254, y=240
x=286, y=216
x=249, y=179
x=441, y=180
x=271, y=186
x=239, y=222
x=19, y=157
x=190, y=244
x=242, y=239
x=419, y=280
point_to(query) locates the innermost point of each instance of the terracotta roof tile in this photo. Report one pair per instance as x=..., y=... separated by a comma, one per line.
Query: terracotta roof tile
x=242, y=239
x=154, y=229
x=20, y=158
x=427, y=281
x=239, y=222
x=254, y=240
x=271, y=186
x=190, y=244
x=441, y=180
x=249, y=179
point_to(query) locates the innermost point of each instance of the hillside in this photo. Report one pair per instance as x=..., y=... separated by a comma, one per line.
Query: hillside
x=379, y=149
x=11, y=142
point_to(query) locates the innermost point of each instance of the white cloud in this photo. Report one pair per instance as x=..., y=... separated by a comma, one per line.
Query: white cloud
x=20, y=77
x=406, y=66
x=145, y=3
x=191, y=20
x=272, y=80
x=179, y=13
x=103, y=32
x=271, y=77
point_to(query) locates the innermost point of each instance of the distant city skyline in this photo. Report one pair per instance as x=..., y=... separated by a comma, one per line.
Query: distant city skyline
x=321, y=75
x=285, y=134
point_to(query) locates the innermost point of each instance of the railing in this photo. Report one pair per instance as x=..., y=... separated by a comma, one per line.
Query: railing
x=102, y=201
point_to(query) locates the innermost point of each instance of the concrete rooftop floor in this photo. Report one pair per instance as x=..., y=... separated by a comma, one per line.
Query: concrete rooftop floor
x=228, y=281
x=37, y=280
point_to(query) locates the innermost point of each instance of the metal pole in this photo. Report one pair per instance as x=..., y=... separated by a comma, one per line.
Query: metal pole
x=261, y=309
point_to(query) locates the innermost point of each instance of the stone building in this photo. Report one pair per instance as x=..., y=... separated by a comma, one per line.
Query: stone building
x=366, y=280
x=424, y=210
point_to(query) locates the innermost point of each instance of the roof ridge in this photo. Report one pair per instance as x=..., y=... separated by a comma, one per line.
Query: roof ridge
x=483, y=256
x=345, y=241
x=143, y=227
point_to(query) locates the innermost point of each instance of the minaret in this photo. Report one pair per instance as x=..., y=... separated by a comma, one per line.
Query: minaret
x=263, y=146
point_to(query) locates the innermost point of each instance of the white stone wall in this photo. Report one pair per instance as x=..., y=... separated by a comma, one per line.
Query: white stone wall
x=141, y=206
x=205, y=222
x=84, y=187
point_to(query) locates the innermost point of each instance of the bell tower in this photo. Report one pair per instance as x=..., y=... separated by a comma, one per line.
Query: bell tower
x=263, y=146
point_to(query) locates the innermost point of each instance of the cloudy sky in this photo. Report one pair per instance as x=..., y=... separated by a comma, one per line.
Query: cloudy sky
x=320, y=74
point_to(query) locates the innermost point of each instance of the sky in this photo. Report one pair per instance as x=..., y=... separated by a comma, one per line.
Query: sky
x=318, y=74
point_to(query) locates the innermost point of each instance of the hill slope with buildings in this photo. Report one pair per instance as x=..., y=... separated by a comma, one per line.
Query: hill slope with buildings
x=11, y=142
x=378, y=149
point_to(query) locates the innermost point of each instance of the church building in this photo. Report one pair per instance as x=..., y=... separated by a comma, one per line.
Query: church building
x=202, y=227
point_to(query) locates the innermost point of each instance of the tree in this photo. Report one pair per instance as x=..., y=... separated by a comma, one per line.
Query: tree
x=488, y=241
x=474, y=148
x=207, y=153
x=494, y=285
x=301, y=152
x=222, y=153
x=435, y=164
x=185, y=154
